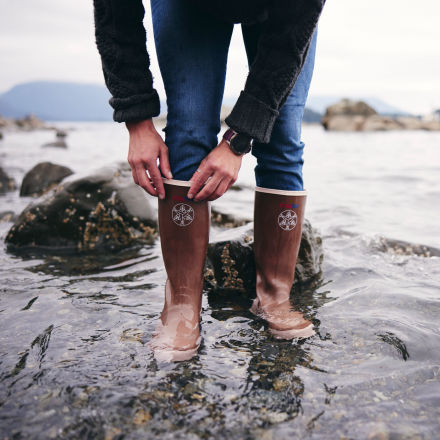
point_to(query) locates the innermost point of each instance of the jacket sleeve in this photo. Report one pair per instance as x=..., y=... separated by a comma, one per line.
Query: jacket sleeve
x=121, y=42
x=281, y=53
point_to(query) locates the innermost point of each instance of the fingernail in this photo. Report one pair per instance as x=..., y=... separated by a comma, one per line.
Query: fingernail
x=190, y=196
x=161, y=196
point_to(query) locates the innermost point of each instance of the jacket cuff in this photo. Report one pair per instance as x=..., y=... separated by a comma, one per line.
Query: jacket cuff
x=252, y=117
x=135, y=108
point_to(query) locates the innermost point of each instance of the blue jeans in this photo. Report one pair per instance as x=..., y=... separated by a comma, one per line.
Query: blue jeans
x=192, y=50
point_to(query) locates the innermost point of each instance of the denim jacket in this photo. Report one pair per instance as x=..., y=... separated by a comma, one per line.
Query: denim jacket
x=288, y=29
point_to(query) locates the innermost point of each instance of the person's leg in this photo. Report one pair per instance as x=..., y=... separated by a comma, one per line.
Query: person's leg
x=279, y=206
x=280, y=162
x=192, y=49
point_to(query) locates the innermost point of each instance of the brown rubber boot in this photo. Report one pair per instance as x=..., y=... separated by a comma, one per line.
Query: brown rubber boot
x=278, y=219
x=184, y=235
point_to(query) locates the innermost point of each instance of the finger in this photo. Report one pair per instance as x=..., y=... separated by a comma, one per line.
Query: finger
x=165, y=162
x=196, y=173
x=143, y=181
x=199, y=178
x=222, y=187
x=134, y=174
x=208, y=189
x=157, y=179
x=231, y=182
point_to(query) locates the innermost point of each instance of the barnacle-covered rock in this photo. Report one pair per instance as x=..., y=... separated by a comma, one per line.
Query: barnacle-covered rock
x=103, y=210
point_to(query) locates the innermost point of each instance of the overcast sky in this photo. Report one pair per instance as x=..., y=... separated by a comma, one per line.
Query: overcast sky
x=389, y=49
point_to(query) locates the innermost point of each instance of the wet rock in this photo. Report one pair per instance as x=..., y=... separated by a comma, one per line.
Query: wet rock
x=6, y=183
x=105, y=210
x=344, y=123
x=348, y=107
x=30, y=122
x=7, y=216
x=141, y=417
x=230, y=261
x=225, y=220
x=380, y=123
x=42, y=177
x=410, y=123
x=348, y=115
x=61, y=143
x=401, y=247
x=133, y=335
x=430, y=125
x=4, y=123
x=60, y=140
x=61, y=134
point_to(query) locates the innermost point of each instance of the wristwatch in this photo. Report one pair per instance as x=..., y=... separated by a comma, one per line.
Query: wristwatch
x=239, y=143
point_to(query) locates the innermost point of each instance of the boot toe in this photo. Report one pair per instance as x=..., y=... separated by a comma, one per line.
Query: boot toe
x=170, y=346
x=172, y=353
x=293, y=333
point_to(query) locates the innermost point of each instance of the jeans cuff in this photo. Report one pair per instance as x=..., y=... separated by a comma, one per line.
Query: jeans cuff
x=252, y=117
x=136, y=108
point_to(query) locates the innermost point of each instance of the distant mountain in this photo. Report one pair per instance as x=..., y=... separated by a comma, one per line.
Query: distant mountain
x=57, y=101
x=311, y=116
x=68, y=101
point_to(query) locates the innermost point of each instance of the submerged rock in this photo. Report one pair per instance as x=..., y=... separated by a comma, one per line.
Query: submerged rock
x=61, y=134
x=42, y=177
x=59, y=143
x=400, y=247
x=7, y=216
x=102, y=211
x=60, y=140
x=6, y=183
x=230, y=261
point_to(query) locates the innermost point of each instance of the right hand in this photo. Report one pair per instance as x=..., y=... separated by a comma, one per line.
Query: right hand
x=145, y=146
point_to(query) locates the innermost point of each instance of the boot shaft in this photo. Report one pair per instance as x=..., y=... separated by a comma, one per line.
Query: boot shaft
x=184, y=235
x=278, y=220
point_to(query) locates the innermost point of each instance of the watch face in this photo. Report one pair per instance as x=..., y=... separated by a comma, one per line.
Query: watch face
x=241, y=143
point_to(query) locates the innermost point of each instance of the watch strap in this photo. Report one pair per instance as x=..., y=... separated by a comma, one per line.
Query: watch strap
x=229, y=135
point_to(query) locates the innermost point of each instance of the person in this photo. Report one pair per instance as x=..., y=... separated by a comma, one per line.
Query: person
x=192, y=40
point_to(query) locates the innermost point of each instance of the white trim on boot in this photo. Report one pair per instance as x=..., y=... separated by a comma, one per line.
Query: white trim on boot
x=283, y=192
x=177, y=182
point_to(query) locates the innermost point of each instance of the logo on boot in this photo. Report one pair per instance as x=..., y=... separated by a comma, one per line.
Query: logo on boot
x=182, y=214
x=287, y=220
x=289, y=205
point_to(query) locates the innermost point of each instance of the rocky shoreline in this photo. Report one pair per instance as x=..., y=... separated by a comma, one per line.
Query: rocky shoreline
x=348, y=115
x=27, y=123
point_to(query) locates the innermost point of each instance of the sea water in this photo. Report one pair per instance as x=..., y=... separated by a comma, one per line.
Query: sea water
x=73, y=330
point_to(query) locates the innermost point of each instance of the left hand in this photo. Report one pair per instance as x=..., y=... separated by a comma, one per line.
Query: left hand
x=221, y=166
